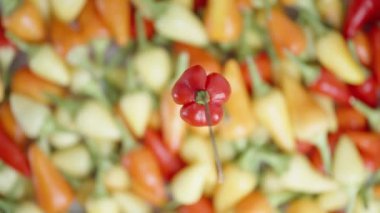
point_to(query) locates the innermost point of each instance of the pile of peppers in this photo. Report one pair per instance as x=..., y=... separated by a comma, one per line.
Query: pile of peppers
x=107, y=106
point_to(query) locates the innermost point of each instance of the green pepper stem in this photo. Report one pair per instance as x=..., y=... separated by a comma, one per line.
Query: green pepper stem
x=259, y=87
x=100, y=189
x=127, y=141
x=141, y=36
x=372, y=115
x=352, y=195
x=7, y=206
x=218, y=162
x=321, y=143
x=182, y=63
x=314, y=21
x=309, y=73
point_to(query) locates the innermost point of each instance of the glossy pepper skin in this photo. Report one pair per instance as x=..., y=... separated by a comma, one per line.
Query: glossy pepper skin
x=331, y=86
x=189, y=86
x=374, y=37
x=366, y=92
x=12, y=155
x=359, y=13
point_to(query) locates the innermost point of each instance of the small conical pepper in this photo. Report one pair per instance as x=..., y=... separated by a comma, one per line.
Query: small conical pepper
x=359, y=13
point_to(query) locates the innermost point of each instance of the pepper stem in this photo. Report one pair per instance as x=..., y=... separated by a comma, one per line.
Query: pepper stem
x=309, y=73
x=218, y=163
x=141, y=36
x=372, y=115
x=259, y=87
x=321, y=143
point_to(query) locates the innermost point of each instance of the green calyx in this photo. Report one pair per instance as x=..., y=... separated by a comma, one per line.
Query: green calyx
x=202, y=97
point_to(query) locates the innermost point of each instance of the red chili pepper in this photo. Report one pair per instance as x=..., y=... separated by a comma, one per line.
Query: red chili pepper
x=360, y=13
x=366, y=92
x=199, y=4
x=328, y=84
x=194, y=89
x=12, y=155
x=374, y=37
x=169, y=162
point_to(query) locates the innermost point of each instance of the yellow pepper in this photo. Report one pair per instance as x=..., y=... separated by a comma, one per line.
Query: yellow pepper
x=223, y=21
x=241, y=121
x=333, y=53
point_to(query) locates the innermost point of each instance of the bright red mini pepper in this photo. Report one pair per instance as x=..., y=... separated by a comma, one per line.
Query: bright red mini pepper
x=12, y=155
x=359, y=13
x=374, y=37
x=328, y=84
x=366, y=92
x=194, y=89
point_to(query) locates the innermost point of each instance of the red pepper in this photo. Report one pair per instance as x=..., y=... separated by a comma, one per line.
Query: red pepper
x=169, y=162
x=330, y=85
x=12, y=155
x=194, y=89
x=360, y=13
x=199, y=4
x=366, y=92
x=374, y=37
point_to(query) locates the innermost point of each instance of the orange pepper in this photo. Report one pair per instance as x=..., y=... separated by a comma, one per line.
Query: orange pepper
x=363, y=48
x=376, y=191
x=64, y=36
x=223, y=21
x=26, y=83
x=53, y=193
x=26, y=23
x=116, y=14
x=147, y=179
x=90, y=23
x=199, y=56
x=10, y=125
x=255, y=202
x=350, y=119
x=286, y=34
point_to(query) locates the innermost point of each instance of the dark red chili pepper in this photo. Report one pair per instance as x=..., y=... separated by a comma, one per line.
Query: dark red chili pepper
x=360, y=13
x=366, y=92
x=169, y=163
x=194, y=89
x=374, y=37
x=328, y=84
x=12, y=155
x=4, y=41
x=199, y=4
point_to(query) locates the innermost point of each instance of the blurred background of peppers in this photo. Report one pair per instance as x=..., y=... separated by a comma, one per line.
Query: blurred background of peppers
x=87, y=122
